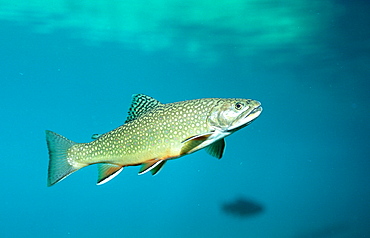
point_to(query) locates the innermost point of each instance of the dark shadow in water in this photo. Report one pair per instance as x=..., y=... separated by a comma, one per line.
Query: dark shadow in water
x=242, y=207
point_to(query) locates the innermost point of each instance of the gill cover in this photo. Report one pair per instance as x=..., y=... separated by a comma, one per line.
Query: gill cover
x=229, y=114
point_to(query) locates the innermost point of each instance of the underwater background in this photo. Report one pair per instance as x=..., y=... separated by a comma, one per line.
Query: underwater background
x=300, y=170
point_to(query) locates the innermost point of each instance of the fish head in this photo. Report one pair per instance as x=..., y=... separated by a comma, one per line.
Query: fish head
x=229, y=115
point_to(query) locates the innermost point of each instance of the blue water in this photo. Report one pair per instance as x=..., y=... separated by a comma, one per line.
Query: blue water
x=305, y=159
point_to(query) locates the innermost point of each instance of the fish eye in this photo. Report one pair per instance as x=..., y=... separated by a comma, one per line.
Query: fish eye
x=239, y=105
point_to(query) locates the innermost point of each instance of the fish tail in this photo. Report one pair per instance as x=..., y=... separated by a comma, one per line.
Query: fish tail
x=59, y=167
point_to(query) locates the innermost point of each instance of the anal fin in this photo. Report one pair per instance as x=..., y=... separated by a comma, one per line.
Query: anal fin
x=107, y=172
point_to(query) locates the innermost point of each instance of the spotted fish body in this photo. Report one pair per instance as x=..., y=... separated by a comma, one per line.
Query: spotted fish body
x=152, y=134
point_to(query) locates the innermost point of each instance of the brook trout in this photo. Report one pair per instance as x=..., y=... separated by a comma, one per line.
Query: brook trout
x=152, y=134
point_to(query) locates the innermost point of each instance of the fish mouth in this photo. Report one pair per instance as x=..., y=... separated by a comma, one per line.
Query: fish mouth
x=247, y=117
x=254, y=113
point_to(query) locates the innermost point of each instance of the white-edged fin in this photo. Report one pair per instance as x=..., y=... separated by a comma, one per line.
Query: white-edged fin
x=216, y=149
x=158, y=168
x=107, y=172
x=149, y=166
x=59, y=167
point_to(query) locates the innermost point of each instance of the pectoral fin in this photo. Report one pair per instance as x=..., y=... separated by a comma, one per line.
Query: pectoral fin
x=106, y=172
x=216, y=149
x=154, y=166
x=191, y=143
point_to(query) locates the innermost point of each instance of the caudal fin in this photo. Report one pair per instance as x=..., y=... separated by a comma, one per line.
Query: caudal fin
x=59, y=168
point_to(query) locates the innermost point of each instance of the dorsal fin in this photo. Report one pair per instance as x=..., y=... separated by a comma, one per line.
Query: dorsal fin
x=140, y=105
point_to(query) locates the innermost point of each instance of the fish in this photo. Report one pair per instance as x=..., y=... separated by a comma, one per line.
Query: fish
x=152, y=134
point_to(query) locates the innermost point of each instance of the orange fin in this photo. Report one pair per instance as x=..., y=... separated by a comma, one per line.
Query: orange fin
x=107, y=172
x=151, y=165
x=216, y=149
x=193, y=142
